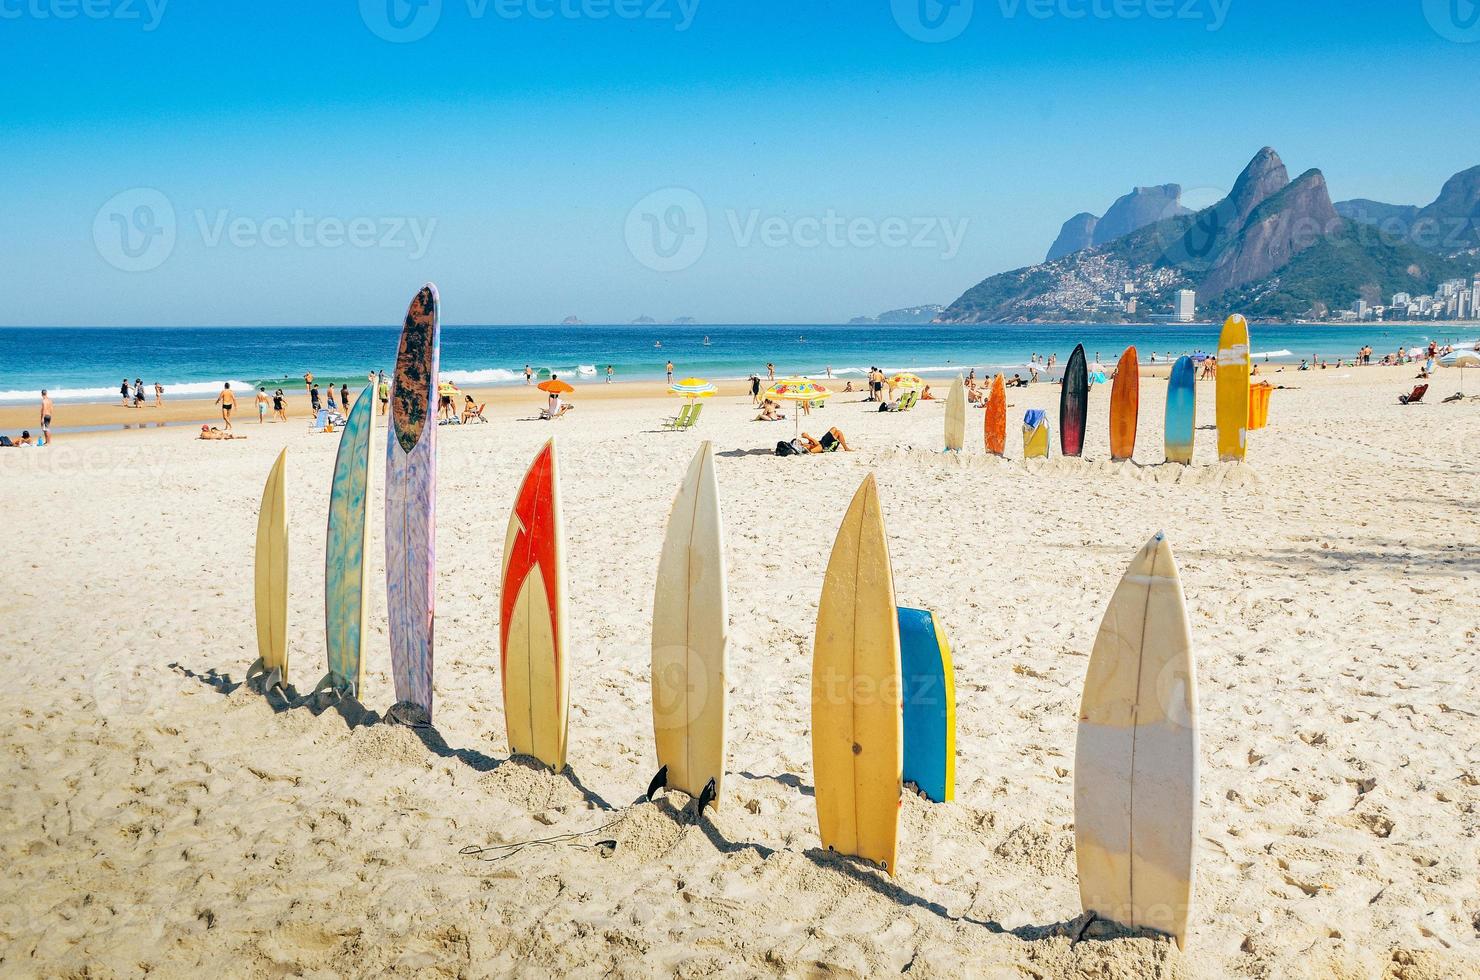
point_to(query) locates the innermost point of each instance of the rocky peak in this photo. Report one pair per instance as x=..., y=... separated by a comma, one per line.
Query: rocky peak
x=1264, y=177
x=1141, y=207
x=1285, y=224
x=1077, y=233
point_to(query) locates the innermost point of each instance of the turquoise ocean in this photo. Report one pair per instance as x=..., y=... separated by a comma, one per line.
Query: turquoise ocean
x=87, y=364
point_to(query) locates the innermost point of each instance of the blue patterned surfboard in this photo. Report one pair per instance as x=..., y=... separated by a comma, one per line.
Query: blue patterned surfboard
x=929, y=699
x=1181, y=411
x=345, y=601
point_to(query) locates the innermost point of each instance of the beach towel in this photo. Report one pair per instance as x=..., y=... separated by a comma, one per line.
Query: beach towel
x=1034, y=417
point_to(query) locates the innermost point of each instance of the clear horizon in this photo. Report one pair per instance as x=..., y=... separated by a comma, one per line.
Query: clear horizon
x=609, y=159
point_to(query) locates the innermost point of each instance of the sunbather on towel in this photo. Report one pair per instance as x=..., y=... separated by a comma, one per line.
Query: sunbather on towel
x=831, y=439
x=769, y=412
x=213, y=434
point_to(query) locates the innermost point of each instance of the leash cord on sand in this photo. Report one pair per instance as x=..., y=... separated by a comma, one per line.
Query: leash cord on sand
x=501, y=851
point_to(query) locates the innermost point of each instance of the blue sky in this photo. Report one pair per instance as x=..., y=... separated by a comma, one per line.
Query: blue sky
x=748, y=161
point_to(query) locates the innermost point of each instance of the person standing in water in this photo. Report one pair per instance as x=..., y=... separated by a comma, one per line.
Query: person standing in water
x=528, y=375
x=227, y=401
x=609, y=373
x=158, y=395
x=670, y=372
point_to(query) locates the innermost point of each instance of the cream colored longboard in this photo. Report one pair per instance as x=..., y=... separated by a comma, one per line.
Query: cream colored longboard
x=532, y=630
x=857, y=731
x=956, y=416
x=271, y=576
x=1135, y=765
x=691, y=625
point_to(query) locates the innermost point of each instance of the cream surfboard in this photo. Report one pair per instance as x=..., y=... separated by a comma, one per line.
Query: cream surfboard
x=1233, y=390
x=346, y=604
x=271, y=577
x=857, y=732
x=532, y=621
x=1135, y=763
x=691, y=628
x=411, y=507
x=956, y=416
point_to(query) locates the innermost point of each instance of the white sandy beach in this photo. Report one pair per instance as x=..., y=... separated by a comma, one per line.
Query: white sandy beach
x=160, y=817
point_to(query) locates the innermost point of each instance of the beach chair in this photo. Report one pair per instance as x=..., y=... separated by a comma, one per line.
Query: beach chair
x=694, y=416
x=1415, y=396
x=320, y=421
x=681, y=421
x=476, y=415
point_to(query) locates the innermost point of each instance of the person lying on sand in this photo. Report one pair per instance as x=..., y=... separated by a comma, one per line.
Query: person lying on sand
x=831, y=438
x=213, y=434
x=23, y=441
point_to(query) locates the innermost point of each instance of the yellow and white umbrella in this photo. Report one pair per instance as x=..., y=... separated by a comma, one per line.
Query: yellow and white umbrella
x=692, y=388
x=906, y=380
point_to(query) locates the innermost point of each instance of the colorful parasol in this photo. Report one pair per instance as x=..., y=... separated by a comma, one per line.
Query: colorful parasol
x=555, y=387
x=800, y=390
x=906, y=380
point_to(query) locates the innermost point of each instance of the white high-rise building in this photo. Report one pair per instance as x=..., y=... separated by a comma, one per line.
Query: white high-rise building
x=1186, y=305
x=1361, y=309
x=1401, y=299
x=1475, y=298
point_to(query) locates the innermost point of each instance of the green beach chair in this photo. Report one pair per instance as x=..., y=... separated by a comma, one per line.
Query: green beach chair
x=682, y=421
x=694, y=416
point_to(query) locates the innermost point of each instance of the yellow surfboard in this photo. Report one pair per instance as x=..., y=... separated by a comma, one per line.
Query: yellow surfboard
x=271, y=575
x=1233, y=389
x=691, y=627
x=857, y=732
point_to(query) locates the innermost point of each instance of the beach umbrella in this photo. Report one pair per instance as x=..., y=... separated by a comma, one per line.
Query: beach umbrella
x=692, y=388
x=447, y=388
x=798, y=390
x=906, y=380
x=1462, y=360
x=555, y=387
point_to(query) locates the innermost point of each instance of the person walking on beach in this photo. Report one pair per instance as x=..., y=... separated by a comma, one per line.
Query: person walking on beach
x=158, y=395
x=45, y=417
x=313, y=398
x=123, y=393
x=755, y=389
x=670, y=372
x=279, y=405
x=344, y=396
x=383, y=389
x=227, y=401
x=138, y=393
x=609, y=374
x=261, y=405
x=333, y=404
x=770, y=371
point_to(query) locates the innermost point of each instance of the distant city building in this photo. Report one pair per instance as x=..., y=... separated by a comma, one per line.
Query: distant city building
x=1130, y=306
x=1401, y=300
x=1475, y=298
x=1186, y=305
x=1361, y=309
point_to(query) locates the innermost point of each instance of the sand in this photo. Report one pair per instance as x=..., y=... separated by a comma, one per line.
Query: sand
x=161, y=817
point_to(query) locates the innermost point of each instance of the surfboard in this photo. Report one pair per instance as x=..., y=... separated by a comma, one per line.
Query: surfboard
x=532, y=625
x=929, y=704
x=1233, y=389
x=1135, y=763
x=1181, y=424
x=956, y=416
x=271, y=574
x=1074, y=404
x=410, y=505
x=996, y=420
x=1035, y=434
x=1125, y=405
x=857, y=733
x=691, y=626
x=346, y=606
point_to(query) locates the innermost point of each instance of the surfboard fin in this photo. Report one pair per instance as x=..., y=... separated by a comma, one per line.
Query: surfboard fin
x=707, y=797
x=660, y=781
x=336, y=686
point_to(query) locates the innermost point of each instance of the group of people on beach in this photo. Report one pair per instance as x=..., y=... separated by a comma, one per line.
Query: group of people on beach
x=134, y=397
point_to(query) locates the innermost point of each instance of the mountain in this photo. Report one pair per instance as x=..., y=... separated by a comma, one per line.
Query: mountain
x=1272, y=248
x=908, y=314
x=643, y=320
x=572, y=321
x=1450, y=225
x=1141, y=207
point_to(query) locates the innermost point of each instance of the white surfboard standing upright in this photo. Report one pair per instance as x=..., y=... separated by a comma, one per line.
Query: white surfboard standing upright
x=691, y=626
x=1135, y=764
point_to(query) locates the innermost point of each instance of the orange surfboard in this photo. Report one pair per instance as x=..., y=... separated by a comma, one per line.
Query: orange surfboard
x=996, y=421
x=1125, y=405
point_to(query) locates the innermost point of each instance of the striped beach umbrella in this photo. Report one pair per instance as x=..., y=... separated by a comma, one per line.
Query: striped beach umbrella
x=799, y=390
x=692, y=388
x=906, y=380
